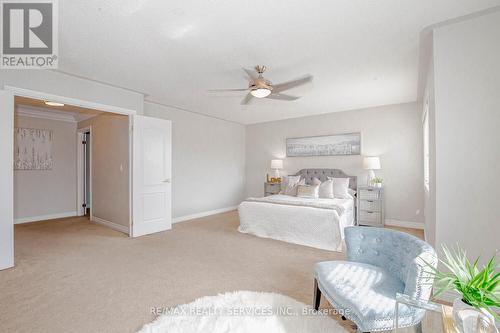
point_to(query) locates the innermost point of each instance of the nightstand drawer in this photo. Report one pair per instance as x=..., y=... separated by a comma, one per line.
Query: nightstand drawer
x=371, y=205
x=369, y=194
x=369, y=216
x=271, y=188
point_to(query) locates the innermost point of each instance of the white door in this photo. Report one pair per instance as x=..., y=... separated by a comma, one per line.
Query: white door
x=151, y=173
x=6, y=179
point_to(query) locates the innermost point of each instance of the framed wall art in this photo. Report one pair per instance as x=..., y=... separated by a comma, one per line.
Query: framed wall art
x=32, y=149
x=327, y=145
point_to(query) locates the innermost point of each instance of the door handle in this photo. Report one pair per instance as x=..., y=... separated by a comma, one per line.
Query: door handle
x=167, y=180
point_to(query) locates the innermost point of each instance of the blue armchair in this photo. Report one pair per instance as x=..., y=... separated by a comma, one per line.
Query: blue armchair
x=381, y=262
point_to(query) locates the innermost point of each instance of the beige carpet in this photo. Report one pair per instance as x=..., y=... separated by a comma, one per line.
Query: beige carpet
x=75, y=276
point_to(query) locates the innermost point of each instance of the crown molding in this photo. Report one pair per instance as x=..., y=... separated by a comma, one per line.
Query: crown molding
x=29, y=111
x=34, y=112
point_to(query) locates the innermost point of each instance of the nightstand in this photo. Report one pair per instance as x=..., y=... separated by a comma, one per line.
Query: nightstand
x=271, y=188
x=370, y=206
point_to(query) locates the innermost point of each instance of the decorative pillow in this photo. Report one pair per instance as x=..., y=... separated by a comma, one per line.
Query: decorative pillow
x=290, y=183
x=340, y=188
x=325, y=188
x=307, y=191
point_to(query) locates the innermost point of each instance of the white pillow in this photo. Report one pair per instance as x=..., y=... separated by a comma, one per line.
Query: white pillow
x=307, y=191
x=340, y=188
x=325, y=188
x=351, y=192
x=290, y=183
x=292, y=190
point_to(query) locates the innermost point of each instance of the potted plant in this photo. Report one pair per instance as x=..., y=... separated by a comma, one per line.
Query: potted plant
x=479, y=290
x=377, y=182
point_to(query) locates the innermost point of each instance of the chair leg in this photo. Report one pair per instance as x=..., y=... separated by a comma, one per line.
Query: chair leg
x=317, y=295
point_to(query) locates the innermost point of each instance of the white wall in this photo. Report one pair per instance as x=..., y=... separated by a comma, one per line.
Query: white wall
x=391, y=132
x=41, y=194
x=208, y=161
x=6, y=179
x=110, y=168
x=467, y=85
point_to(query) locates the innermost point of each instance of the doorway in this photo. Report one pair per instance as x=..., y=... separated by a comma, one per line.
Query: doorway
x=147, y=209
x=73, y=177
x=86, y=174
x=84, y=171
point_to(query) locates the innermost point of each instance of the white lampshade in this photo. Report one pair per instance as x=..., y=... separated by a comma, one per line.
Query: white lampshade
x=371, y=163
x=277, y=164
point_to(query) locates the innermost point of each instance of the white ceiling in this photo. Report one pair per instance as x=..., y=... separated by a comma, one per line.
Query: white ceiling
x=362, y=53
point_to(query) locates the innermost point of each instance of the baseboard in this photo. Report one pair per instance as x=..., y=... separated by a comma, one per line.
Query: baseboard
x=203, y=214
x=112, y=225
x=404, y=224
x=44, y=217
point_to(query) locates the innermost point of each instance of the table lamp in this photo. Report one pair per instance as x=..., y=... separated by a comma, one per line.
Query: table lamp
x=371, y=163
x=277, y=165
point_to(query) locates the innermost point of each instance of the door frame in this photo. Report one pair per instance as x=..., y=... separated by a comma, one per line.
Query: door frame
x=80, y=132
x=22, y=92
x=6, y=170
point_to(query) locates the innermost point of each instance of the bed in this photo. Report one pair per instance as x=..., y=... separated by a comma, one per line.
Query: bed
x=317, y=223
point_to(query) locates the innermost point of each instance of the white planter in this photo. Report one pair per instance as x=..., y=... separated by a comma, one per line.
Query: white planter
x=471, y=320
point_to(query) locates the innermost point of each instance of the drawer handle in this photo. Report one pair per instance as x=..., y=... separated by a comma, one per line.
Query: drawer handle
x=369, y=212
x=369, y=200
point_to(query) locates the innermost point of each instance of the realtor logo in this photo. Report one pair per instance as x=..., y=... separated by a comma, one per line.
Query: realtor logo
x=29, y=34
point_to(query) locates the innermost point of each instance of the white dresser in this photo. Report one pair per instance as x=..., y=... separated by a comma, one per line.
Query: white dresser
x=370, y=207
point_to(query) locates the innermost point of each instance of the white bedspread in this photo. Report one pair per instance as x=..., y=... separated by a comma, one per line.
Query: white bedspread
x=335, y=204
x=317, y=223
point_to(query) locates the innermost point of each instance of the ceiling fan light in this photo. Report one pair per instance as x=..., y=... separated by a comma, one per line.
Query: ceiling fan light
x=260, y=92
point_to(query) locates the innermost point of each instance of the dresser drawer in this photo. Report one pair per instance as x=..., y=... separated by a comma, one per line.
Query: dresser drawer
x=369, y=194
x=369, y=216
x=370, y=205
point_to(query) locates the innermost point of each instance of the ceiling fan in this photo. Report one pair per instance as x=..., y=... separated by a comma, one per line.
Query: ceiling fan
x=259, y=87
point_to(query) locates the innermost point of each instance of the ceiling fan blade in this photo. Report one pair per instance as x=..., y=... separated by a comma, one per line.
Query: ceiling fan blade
x=283, y=97
x=292, y=84
x=252, y=75
x=247, y=99
x=222, y=90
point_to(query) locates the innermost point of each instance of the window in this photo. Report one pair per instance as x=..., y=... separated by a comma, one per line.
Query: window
x=426, y=145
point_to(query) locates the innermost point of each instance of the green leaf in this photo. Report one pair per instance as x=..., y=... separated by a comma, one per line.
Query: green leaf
x=478, y=287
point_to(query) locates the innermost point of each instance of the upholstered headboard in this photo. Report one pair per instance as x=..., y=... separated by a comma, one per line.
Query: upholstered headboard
x=322, y=175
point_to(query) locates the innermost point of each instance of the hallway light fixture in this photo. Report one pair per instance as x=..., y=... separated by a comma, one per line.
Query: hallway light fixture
x=49, y=103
